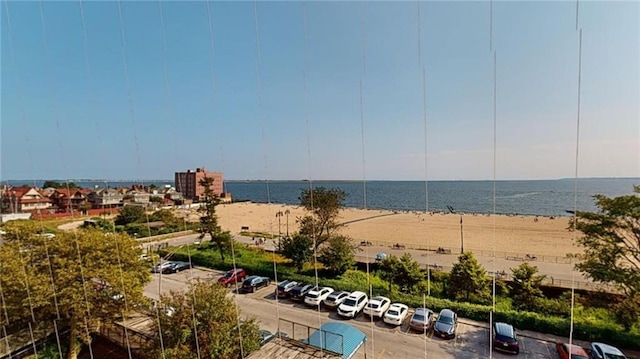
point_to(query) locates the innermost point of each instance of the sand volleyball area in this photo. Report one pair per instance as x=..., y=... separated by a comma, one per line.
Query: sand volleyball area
x=541, y=236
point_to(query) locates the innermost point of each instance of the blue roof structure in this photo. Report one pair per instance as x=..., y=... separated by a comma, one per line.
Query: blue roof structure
x=339, y=338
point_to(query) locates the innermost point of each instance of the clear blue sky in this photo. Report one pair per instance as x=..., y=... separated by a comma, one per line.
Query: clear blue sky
x=69, y=131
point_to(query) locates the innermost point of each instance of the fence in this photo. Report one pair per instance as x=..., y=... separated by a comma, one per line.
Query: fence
x=479, y=252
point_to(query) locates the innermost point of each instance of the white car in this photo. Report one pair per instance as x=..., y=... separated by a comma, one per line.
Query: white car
x=353, y=304
x=317, y=295
x=396, y=314
x=605, y=351
x=377, y=306
x=335, y=299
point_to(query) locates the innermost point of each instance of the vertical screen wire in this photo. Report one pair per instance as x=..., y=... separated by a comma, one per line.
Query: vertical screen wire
x=575, y=185
x=493, y=214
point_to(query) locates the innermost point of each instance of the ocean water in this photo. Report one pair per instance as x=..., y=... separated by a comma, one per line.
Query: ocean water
x=539, y=197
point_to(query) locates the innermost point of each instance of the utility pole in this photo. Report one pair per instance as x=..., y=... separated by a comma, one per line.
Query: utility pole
x=461, y=237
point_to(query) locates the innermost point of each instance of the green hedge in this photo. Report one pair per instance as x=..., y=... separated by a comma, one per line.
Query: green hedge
x=257, y=263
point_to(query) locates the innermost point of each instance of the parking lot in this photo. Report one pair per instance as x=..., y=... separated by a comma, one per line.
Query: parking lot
x=472, y=339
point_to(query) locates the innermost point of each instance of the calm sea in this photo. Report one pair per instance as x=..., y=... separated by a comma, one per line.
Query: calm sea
x=541, y=197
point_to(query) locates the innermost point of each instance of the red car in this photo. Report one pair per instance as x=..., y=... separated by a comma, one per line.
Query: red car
x=571, y=352
x=233, y=276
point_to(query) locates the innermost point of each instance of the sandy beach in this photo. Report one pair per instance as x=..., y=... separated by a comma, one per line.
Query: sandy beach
x=517, y=234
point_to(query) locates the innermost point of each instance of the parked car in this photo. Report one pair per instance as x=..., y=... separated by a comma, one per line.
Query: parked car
x=233, y=276
x=254, y=283
x=298, y=292
x=605, y=351
x=353, y=304
x=421, y=319
x=176, y=267
x=446, y=324
x=377, y=306
x=267, y=336
x=335, y=299
x=315, y=296
x=505, y=338
x=565, y=351
x=284, y=288
x=396, y=314
x=160, y=267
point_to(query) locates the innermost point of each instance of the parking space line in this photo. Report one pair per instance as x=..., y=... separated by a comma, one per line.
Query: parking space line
x=381, y=353
x=459, y=333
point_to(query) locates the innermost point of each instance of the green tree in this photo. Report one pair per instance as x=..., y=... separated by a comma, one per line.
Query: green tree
x=167, y=216
x=299, y=249
x=130, y=214
x=403, y=271
x=86, y=277
x=611, y=242
x=338, y=254
x=209, y=219
x=205, y=319
x=56, y=184
x=468, y=277
x=525, y=287
x=324, y=205
x=627, y=311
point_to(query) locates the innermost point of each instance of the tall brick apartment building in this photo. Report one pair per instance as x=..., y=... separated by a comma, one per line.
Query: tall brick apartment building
x=188, y=183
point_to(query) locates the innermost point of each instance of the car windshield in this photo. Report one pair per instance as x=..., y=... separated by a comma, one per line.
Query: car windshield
x=228, y=275
x=445, y=319
x=312, y=295
x=393, y=312
x=350, y=302
x=418, y=318
x=613, y=356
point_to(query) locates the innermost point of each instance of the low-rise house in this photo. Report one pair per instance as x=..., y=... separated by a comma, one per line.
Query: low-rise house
x=103, y=197
x=67, y=200
x=137, y=196
x=24, y=199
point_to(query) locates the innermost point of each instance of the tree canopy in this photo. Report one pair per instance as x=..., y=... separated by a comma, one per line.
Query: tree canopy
x=338, y=254
x=209, y=219
x=611, y=242
x=468, y=277
x=403, y=271
x=56, y=184
x=525, y=287
x=205, y=319
x=85, y=277
x=130, y=214
x=299, y=249
x=324, y=205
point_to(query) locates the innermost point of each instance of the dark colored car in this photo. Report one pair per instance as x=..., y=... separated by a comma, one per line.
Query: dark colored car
x=421, y=319
x=284, y=288
x=233, y=276
x=267, y=336
x=505, y=338
x=445, y=326
x=566, y=351
x=176, y=267
x=254, y=283
x=298, y=292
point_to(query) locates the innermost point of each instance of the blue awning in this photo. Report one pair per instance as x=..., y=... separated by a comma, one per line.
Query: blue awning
x=339, y=338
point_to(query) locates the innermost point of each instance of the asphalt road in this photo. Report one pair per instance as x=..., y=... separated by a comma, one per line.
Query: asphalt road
x=562, y=274
x=384, y=341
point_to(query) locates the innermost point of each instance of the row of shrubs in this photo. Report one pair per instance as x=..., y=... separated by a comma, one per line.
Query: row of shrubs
x=357, y=280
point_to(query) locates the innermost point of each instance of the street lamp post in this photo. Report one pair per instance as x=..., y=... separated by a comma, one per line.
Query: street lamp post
x=287, y=213
x=279, y=215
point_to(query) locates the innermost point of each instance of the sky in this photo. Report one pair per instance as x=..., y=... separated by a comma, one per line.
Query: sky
x=79, y=103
